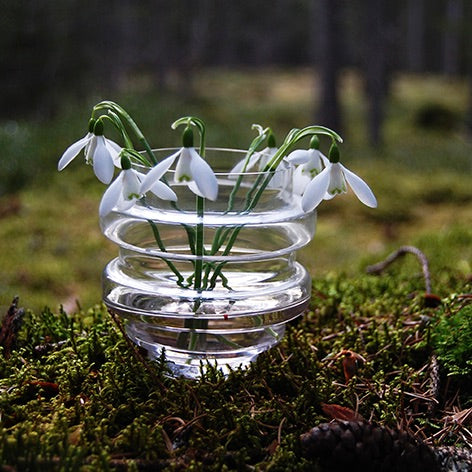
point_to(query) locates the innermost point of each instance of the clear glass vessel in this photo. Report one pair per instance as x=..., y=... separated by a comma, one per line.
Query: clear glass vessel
x=216, y=286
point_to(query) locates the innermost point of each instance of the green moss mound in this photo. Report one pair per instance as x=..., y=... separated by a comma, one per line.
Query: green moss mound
x=76, y=396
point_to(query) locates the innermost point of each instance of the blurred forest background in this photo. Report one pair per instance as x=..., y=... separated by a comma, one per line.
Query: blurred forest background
x=394, y=78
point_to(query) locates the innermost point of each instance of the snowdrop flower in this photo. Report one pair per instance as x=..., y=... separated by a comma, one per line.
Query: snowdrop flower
x=309, y=162
x=332, y=181
x=126, y=189
x=191, y=168
x=260, y=158
x=102, y=153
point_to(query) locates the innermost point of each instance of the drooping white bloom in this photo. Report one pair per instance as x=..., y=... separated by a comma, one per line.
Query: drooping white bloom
x=309, y=162
x=126, y=189
x=122, y=193
x=99, y=151
x=332, y=181
x=191, y=168
x=260, y=159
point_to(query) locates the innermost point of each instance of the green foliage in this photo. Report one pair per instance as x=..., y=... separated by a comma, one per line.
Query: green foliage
x=18, y=156
x=75, y=396
x=452, y=340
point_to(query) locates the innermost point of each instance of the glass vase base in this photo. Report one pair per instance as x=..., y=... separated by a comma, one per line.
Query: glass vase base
x=194, y=366
x=224, y=344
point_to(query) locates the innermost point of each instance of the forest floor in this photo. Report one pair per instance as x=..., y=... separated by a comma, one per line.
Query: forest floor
x=74, y=394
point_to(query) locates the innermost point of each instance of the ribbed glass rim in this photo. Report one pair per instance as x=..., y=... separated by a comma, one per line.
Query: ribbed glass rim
x=242, y=152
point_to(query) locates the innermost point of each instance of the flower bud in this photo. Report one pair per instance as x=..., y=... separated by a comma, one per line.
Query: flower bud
x=125, y=162
x=315, y=142
x=333, y=153
x=91, y=125
x=98, y=128
x=187, y=137
x=271, y=140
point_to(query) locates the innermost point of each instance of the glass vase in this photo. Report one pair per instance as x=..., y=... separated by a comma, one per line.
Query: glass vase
x=215, y=285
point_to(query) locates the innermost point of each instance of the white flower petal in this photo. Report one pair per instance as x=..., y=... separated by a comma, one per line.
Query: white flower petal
x=337, y=182
x=124, y=204
x=299, y=156
x=71, y=152
x=265, y=156
x=316, y=190
x=131, y=184
x=194, y=188
x=244, y=164
x=183, y=172
x=90, y=149
x=300, y=181
x=110, y=197
x=115, y=150
x=323, y=158
x=155, y=174
x=203, y=176
x=316, y=163
x=360, y=188
x=102, y=161
x=163, y=191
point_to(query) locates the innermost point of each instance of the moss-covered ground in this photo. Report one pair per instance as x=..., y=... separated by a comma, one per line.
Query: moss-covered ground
x=76, y=396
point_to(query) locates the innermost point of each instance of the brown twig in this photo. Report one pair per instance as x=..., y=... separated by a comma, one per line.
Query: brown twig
x=434, y=383
x=10, y=326
x=401, y=251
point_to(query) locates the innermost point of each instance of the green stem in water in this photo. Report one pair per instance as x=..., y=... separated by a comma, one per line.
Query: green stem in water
x=199, y=246
x=170, y=264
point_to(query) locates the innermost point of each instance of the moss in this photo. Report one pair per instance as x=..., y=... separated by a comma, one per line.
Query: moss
x=452, y=340
x=75, y=397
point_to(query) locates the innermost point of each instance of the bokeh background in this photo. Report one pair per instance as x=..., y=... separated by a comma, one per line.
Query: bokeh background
x=393, y=78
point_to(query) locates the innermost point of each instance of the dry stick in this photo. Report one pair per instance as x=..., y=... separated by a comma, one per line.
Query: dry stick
x=401, y=251
x=380, y=267
x=10, y=326
x=434, y=383
x=135, y=351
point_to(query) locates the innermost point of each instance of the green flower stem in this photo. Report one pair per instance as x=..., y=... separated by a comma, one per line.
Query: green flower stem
x=256, y=142
x=195, y=338
x=223, y=340
x=170, y=264
x=199, y=124
x=121, y=112
x=259, y=186
x=116, y=121
x=228, y=248
x=296, y=135
x=199, y=244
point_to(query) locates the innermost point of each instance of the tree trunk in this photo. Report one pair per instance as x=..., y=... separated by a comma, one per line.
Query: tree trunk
x=375, y=67
x=415, y=35
x=451, y=38
x=328, y=52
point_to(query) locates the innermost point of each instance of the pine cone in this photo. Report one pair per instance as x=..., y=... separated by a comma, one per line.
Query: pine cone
x=454, y=459
x=357, y=445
